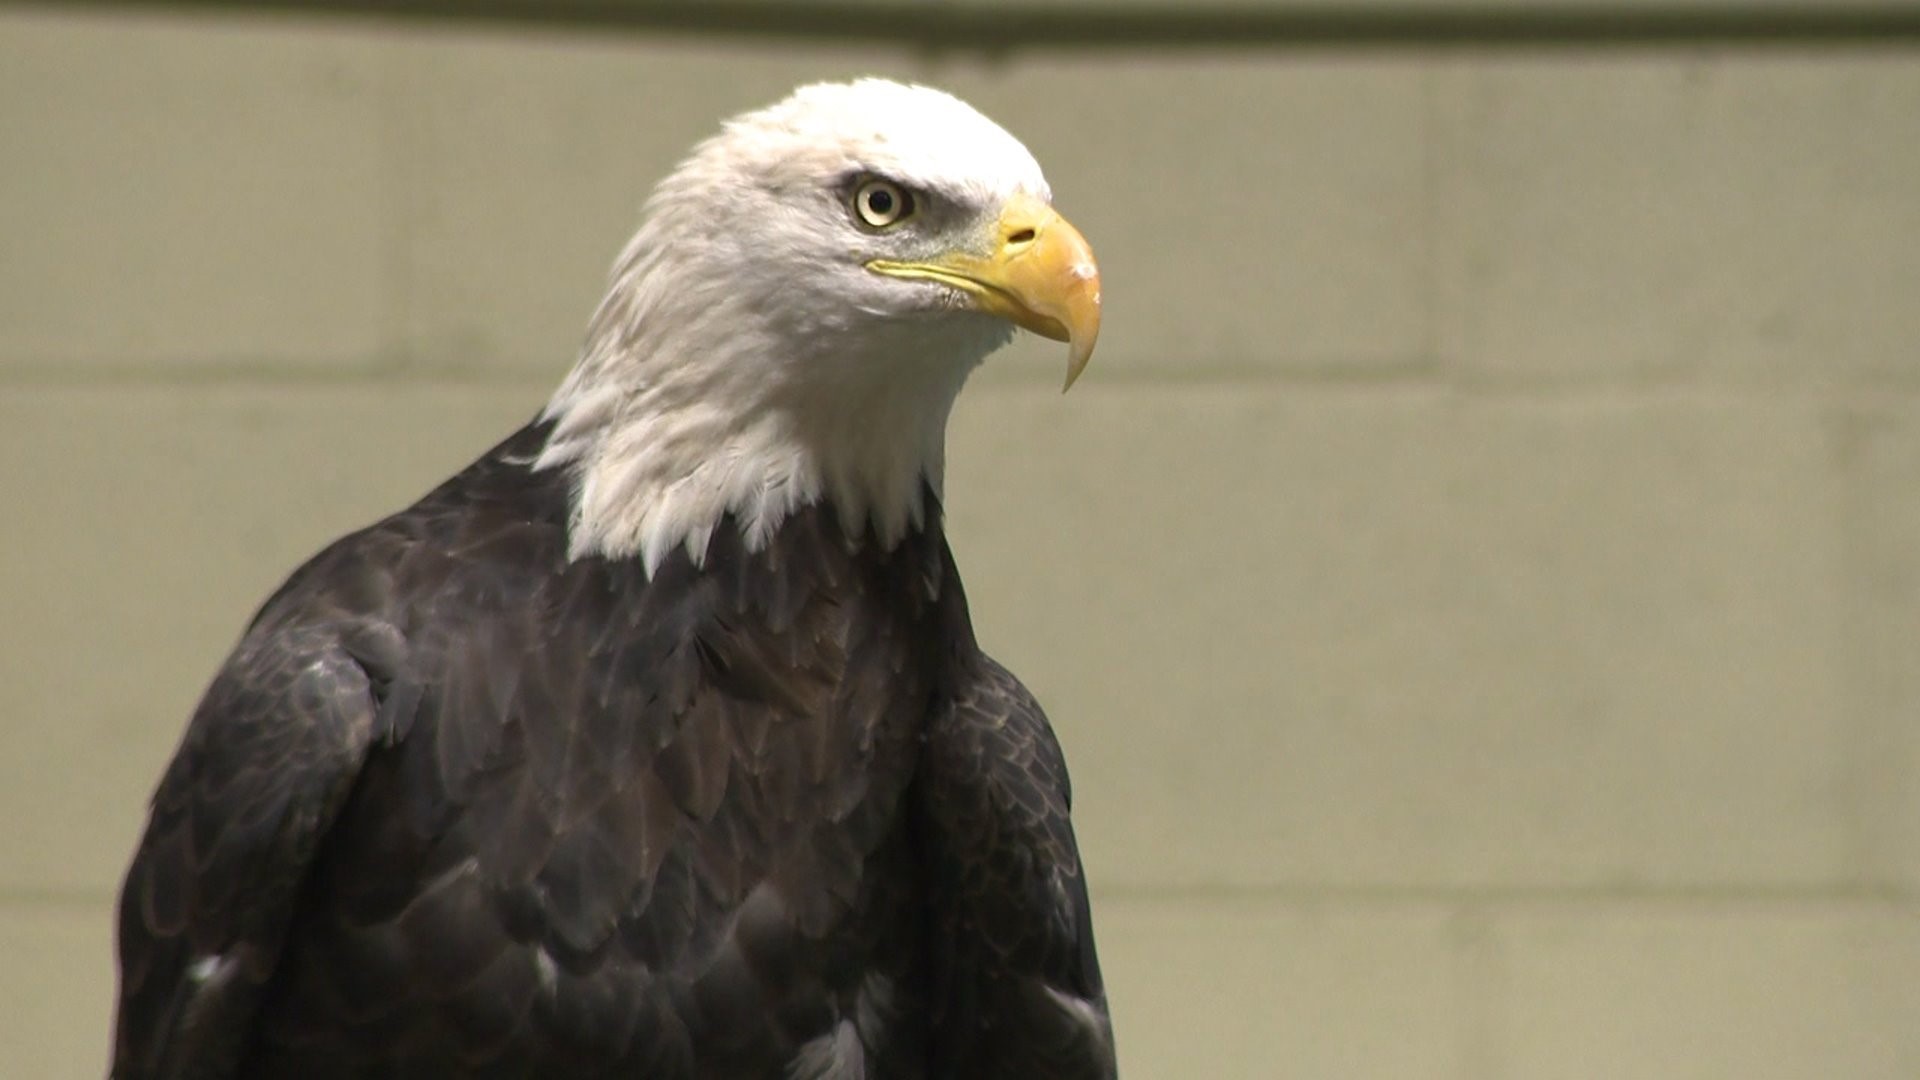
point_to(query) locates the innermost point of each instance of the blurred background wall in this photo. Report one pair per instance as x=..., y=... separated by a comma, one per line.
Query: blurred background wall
x=1477, y=584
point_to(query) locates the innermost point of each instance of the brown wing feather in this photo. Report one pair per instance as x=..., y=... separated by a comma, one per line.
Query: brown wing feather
x=266, y=763
x=1015, y=982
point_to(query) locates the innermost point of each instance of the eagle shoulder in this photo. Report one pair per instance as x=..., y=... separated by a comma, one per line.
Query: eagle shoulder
x=266, y=763
x=1016, y=979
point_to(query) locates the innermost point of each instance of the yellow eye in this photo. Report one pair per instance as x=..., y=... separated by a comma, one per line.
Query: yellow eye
x=882, y=203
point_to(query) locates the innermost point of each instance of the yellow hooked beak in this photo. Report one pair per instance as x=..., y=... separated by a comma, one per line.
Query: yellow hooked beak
x=1040, y=275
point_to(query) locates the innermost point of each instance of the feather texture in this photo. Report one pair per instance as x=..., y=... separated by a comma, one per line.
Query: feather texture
x=459, y=805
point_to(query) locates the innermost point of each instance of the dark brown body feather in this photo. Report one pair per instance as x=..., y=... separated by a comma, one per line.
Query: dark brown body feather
x=457, y=806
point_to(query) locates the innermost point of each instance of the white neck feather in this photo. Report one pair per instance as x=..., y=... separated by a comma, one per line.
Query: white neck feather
x=695, y=400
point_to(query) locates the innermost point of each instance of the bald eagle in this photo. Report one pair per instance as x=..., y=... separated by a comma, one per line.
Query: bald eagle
x=656, y=742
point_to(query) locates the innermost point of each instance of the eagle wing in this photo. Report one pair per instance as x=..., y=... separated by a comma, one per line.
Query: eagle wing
x=1016, y=988
x=266, y=763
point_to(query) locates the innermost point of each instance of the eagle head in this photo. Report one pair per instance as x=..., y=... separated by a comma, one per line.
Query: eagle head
x=803, y=301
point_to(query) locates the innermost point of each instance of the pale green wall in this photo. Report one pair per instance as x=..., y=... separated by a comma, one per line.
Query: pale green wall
x=1477, y=584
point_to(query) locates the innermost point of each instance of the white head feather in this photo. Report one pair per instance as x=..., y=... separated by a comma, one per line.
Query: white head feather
x=746, y=362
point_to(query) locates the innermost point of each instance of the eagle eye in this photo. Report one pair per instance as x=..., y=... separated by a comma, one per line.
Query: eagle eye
x=881, y=204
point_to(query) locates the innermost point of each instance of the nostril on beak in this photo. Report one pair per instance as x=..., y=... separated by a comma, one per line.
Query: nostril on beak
x=1024, y=236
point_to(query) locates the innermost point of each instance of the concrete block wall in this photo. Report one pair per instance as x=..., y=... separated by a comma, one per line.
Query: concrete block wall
x=1477, y=585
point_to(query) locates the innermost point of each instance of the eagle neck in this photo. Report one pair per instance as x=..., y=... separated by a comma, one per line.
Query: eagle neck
x=659, y=463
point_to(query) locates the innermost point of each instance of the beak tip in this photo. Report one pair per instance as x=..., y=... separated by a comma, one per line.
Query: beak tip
x=1077, y=356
